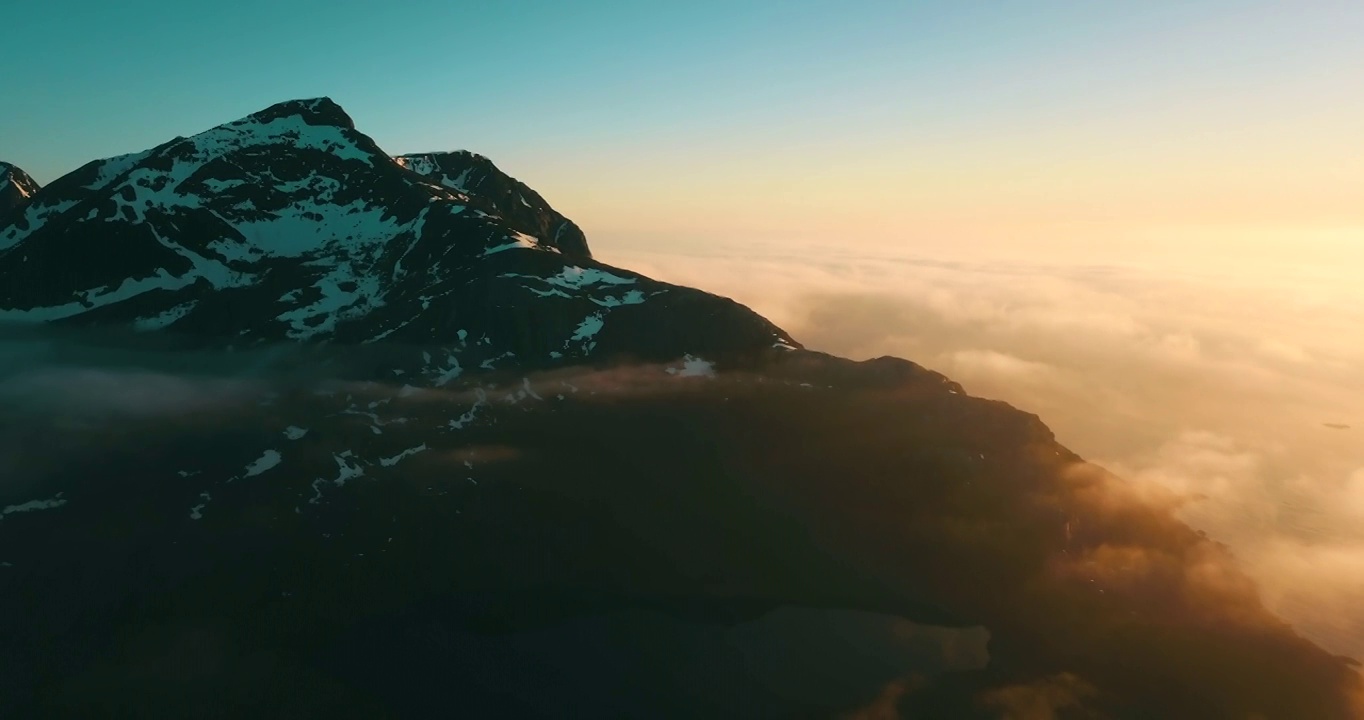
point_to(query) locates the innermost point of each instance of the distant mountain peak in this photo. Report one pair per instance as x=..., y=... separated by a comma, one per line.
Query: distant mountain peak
x=16, y=187
x=313, y=111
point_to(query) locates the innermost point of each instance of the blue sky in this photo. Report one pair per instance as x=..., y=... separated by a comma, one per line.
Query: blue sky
x=638, y=118
x=93, y=78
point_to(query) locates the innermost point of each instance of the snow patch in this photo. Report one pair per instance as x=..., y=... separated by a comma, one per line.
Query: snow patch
x=391, y=461
x=217, y=275
x=446, y=374
x=516, y=240
x=420, y=164
x=166, y=318
x=472, y=413
x=292, y=129
x=579, y=280
x=267, y=461
x=196, y=512
x=309, y=225
x=693, y=367
x=55, y=501
x=348, y=468
x=35, y=216
x=488, y=364
x=589, y=327
x=426, y=165
x=577, y=277
x=633, y=297
x=111, y=168
x=346, y=294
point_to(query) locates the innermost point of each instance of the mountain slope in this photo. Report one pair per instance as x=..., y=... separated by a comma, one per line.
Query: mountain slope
x=289, y=426
x=521, y=207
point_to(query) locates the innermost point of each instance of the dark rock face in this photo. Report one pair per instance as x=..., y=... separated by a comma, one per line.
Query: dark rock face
x=291, y=428
x=520, y=207
x=16, y=187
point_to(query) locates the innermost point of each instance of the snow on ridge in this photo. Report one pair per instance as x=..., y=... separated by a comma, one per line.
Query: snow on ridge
x=218, y=276
x=584, y=280
x=344, y=240
x=633, y=297
x=293, y=129
x=426, y=165
x=519, y=240
x=155, y=189
x=8, y=176
x=420, y=164
x=458, y=182
x=215, y=273
x=111, y=168
x=248, y=132
x=36, y=215
x=305, y=227
x=576, y=277
x=337, y=303
x=161, y=189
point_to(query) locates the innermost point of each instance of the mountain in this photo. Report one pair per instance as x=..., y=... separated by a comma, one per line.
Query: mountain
x=521, y=207
x=290, y=427
x=16, y=187
x=290, y=224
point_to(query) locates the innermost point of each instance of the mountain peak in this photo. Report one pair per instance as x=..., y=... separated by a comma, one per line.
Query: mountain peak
x=16, y=187
x=524, y=209
x=291, y=224
x=313, y=111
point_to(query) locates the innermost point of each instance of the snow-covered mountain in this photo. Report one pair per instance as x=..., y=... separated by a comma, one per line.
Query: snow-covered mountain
x=291, y=224
x=292, y=427
x=16, y=187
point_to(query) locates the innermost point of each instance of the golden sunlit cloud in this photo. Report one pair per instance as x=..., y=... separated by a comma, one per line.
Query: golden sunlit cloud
x=1233, y=390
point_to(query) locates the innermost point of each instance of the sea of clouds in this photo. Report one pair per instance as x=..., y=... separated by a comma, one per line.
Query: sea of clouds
x=1236, y=385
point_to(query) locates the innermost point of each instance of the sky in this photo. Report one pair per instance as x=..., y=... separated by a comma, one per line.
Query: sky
x=996, y=124
x=1142, y=221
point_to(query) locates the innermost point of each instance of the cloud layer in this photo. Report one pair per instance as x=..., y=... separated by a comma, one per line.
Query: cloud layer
x=1233, y=385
